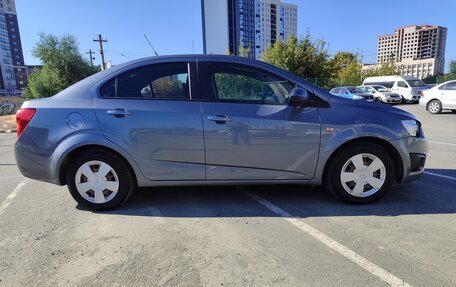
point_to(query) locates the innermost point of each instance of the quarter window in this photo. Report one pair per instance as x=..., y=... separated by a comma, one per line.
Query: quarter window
x=239, y=83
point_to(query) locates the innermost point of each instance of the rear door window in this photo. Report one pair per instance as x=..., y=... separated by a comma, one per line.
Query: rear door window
x=450, y=86
x=159, y=81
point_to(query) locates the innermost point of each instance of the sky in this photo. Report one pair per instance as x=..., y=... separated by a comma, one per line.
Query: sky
x=174, y=26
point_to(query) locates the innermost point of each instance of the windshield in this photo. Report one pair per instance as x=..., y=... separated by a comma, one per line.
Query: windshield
x=381, y=88
x=416, y=83
x=355, y=90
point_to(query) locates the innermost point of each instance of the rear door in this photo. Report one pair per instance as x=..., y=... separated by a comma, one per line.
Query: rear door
x=149, y=112
x=250, y=131
x=448, y=95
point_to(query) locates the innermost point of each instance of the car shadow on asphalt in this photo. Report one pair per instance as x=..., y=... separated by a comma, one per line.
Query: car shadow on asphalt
x=427, y=195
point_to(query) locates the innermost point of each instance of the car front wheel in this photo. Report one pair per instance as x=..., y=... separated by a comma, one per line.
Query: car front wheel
x=435, y=107
x=360, y=173
x=99, y=180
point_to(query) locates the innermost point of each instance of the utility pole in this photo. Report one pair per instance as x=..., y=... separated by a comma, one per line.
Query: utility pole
x=100, y=40
x=90, y=52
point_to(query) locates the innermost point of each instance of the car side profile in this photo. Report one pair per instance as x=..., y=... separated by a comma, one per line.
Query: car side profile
x=440, y=97
x=214, y=120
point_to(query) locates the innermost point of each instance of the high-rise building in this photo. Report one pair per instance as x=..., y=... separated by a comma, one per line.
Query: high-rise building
x=13, y=73
x=416, y=50
x=250, y=24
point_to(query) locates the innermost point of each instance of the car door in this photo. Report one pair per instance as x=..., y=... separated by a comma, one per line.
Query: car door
x=250, y=132
x=447, y=95
x=149, y=112
x=402, y=88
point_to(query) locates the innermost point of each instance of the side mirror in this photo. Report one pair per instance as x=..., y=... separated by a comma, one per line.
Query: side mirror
x=299, y=97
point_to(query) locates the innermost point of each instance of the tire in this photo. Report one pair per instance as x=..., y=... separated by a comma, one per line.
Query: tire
x=110, y=190
x=356, y=187
x=434, y=107
x=453, y=111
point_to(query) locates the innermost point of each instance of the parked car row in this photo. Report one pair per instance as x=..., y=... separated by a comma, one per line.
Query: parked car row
x=385, y=89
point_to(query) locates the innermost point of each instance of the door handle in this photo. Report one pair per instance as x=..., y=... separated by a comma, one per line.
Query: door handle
x=219, y=119
x=119, y=113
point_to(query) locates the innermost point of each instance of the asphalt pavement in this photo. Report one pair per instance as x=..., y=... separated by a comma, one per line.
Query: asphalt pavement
x=235, y=236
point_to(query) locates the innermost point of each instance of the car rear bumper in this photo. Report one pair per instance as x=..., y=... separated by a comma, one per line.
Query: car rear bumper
x=33, y=164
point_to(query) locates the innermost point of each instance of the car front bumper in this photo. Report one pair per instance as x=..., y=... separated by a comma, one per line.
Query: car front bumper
x=413, y=151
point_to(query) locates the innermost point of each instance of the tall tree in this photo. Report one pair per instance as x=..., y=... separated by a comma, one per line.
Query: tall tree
x=346, y=69
x=304, y=57
x=63, y=66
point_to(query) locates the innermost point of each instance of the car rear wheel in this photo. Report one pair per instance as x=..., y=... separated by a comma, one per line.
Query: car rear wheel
x=99, y=180
x=453, y=111
x=435, y=107
x=361, y=173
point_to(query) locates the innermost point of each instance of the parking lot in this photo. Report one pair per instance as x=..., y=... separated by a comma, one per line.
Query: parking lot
x=235, y=236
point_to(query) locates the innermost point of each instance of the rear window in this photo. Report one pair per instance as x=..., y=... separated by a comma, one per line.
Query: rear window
x=416, y=83
x=387, y=84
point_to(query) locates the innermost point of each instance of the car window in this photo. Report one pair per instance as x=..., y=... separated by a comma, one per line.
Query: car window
x=402, y=84
x=449, y=86
x=240, y=83
x=159, y=81
x=416, y=83
x=334, y=91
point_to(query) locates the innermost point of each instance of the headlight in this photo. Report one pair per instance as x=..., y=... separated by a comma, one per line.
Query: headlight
x=411, y=126
x=357, y=98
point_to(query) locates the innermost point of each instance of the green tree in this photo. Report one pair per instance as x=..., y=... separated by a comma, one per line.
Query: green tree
x=63, y=66
x=244, y=51
x=304, y=57
x=345, y=69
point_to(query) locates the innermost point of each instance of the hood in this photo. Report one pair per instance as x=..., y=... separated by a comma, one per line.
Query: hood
x=385, y=109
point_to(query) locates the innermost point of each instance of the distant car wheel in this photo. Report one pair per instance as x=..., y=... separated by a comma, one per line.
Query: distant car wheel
x=99, y=180
x=362, y=173
x=453, y=111
x=434, y=107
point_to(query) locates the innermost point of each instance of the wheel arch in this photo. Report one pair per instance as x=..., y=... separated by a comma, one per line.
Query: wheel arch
x=393, y=152
x=78, y=150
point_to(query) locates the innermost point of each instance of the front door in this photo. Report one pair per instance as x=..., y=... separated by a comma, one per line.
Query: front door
x=149, y=112
x=250, y=131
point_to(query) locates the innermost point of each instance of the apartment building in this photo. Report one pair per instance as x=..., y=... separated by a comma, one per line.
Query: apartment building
x=416, y=50
x=253, y=24
x=13, y=76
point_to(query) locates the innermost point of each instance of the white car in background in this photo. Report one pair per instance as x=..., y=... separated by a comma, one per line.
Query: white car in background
x=382, y=94
x=440, y=97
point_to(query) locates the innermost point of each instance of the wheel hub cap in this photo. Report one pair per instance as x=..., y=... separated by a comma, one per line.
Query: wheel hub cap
x=97, y=182
x=363, y=175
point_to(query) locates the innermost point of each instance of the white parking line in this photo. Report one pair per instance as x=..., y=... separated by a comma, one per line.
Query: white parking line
x=441, y=143
x=12, y=195
x=331, y=243
x=439, y=175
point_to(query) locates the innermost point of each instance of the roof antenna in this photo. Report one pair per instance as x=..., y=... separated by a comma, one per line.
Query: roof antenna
x=156, y=54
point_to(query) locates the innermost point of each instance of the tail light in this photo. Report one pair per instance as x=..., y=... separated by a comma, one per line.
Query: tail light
x=420, y=93
x=23, y=117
